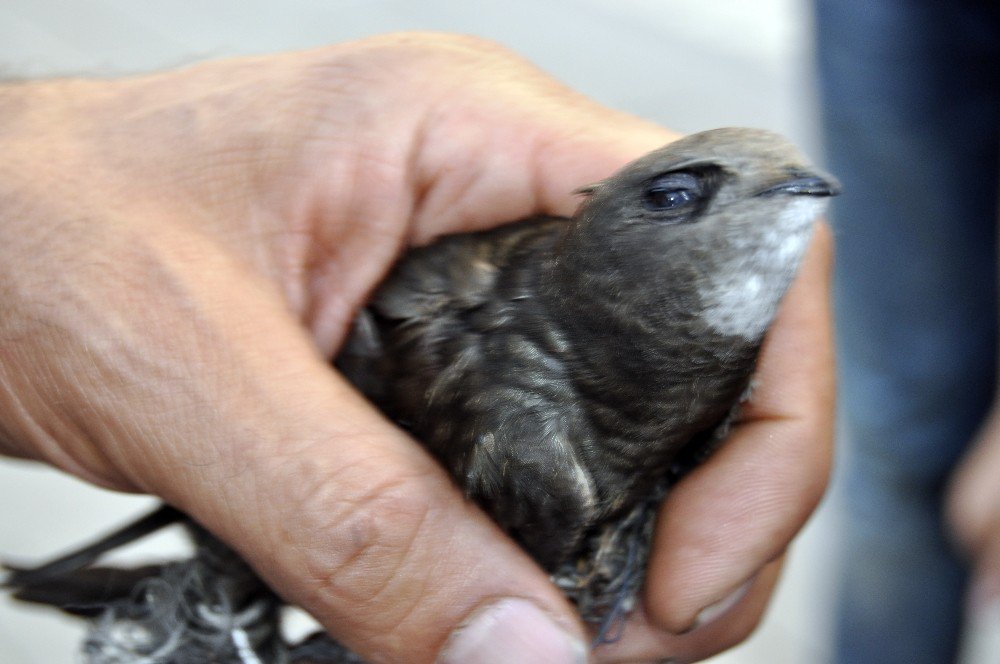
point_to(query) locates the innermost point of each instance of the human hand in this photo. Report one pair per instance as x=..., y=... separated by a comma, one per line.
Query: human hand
x=973, y=511
x=183, y=254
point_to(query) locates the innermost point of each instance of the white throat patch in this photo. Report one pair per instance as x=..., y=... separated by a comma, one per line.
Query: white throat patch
x=742, y=301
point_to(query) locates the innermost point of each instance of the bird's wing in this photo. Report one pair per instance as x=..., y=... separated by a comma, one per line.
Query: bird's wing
x=523, y=466
x=86, y=592
x=161, y=517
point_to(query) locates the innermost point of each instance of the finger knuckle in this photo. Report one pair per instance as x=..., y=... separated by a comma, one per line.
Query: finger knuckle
x=373, y=554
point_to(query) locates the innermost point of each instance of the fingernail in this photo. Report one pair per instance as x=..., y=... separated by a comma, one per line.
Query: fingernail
x=512, y=630
x=713, y=611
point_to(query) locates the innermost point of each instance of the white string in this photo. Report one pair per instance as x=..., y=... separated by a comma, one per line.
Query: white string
x=243, y=647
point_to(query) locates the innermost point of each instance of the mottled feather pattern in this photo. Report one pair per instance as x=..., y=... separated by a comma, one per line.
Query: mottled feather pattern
x=472, y=366
x=566, y=372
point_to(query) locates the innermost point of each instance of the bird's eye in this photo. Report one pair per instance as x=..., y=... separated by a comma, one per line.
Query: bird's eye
x=672, y=192
x=668, y=199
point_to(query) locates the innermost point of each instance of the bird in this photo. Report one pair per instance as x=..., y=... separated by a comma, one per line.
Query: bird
x=565, y=371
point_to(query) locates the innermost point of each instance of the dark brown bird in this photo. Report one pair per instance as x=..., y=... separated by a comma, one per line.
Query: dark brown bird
x=567, y=371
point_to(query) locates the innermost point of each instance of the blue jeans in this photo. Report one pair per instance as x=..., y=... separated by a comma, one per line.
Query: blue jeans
x=911, y=103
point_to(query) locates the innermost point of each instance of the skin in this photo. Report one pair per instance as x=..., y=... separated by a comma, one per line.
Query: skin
x=183, y=254
x=973, y=510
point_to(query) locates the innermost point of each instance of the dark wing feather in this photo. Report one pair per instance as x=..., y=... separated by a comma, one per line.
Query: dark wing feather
x=460, y=349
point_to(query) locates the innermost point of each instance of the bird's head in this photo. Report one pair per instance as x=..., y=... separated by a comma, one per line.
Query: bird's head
x=715, y=223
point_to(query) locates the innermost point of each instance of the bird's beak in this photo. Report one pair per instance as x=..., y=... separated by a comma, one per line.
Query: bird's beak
x=805, y=184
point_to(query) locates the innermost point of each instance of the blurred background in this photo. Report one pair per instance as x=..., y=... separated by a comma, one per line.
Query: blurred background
x=686, y=65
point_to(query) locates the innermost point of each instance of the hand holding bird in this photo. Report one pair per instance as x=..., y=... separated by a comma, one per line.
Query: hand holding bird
x=182, y=346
